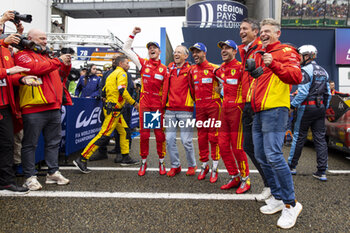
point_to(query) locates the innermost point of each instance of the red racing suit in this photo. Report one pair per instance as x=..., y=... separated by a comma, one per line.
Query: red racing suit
x=208, y=107
x=152, y=78
x=49, y=94
x=180, y=97
x=272, y=88
x=231, y=131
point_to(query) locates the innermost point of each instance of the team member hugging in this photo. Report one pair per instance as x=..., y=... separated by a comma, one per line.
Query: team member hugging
x=278, y=66
x=116, y=97
x=230, y=133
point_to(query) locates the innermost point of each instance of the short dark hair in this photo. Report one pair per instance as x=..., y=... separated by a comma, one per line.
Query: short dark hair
x=253, y=23
x=120, y=59
x=331, y=81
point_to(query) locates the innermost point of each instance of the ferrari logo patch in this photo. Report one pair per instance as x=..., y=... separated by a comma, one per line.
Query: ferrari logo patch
x=206, y=72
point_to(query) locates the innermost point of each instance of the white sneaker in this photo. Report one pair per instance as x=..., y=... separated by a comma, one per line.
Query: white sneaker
x=289, y=216
x=56, y=178
x=32, y=183
x=264, y=195
x=273, y=206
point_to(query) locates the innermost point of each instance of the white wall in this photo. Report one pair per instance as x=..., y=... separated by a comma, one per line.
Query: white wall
x=344, y=79
x=39, y=9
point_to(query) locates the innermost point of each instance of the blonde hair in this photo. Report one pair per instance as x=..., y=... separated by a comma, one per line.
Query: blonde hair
x=272, y=22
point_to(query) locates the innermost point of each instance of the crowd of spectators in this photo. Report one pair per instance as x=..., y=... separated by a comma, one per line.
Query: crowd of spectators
x=315, y=8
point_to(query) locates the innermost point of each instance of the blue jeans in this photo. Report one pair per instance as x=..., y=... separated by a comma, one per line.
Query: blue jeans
x=171, y=118
x=269, y=128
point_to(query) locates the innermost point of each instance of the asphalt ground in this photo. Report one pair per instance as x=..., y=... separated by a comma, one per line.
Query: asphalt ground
x=120, y=201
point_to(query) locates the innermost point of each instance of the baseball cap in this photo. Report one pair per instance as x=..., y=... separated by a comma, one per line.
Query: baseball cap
x=199, y=46
x=229, y=43
x=152, y=43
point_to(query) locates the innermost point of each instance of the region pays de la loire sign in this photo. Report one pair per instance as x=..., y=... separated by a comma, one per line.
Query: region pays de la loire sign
x=216, y=14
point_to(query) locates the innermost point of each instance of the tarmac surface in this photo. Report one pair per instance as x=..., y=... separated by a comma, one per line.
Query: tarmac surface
x=116, y=199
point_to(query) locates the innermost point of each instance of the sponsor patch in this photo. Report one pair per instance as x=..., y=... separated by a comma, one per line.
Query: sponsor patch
x=233, y=71
x=158, y=76
x=24, y=58
x=146, y=75
x=161, y=69
x=206, y=72
x=232, y=81
x=147, y=70
x=207, y=80
x=6, y=58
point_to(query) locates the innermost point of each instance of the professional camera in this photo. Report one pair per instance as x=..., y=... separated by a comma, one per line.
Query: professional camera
x=18, y=17
x=26, y=44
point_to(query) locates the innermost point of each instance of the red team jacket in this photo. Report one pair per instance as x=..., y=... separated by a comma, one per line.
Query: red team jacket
x=153, y=74
x=231, y=75
x=178, y=89
x=48, y=95
x=247, y=80
x=272, y=88
x=205, y=82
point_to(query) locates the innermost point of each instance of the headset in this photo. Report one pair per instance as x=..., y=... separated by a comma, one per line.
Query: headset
x=89, y=67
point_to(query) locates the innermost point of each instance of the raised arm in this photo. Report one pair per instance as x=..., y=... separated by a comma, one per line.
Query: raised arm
x=127, y=48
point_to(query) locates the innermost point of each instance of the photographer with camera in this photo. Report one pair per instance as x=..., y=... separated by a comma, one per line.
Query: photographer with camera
x=9, y=111
x=41, y=109
x=277, y=67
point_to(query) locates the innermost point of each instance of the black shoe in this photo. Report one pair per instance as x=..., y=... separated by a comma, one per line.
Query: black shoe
x=128, y=161
x=114, y=151
x=98, y=156
x=13, y=189
x=320, y=176
x=118, y=158
x=81, y=163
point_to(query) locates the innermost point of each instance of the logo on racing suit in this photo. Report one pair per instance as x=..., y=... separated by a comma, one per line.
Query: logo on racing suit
x=151, y=120
x=147, y=70
x=233, y=71
x=206, y=72
x=161, y=69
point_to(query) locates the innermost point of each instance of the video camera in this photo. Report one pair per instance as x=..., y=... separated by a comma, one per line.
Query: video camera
x=21, y=17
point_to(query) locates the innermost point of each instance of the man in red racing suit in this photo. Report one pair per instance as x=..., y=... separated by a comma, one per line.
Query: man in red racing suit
x=152, y=76
x=231, y=132
x=208, y=107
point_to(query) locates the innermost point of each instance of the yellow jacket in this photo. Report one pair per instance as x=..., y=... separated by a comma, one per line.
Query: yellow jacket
x=117, y=80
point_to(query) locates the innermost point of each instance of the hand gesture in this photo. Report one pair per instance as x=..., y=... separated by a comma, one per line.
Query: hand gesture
x=19, y=28
x=267, y=59
x=8, y=15
x=136, y=30
x=66, y=58
x=31, y=80
x=13, y=39
x=18, y=69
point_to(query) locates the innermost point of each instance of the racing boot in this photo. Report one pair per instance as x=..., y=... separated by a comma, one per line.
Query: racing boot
x=214, y=175
x=143, y=168
x=233, y=182
x=245, y=185
x=162, y=170
x=203, y=173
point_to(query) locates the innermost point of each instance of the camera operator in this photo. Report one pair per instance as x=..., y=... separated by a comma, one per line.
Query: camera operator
x=41, y=109
x=9, y=110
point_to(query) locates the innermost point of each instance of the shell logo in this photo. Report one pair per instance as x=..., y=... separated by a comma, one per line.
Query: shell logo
x=147, y=70
x=195, y=77
x=222, y=75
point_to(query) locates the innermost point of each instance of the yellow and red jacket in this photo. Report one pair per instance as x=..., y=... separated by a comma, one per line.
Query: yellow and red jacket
x=231, y=76
x=205, y=83
x=178, y=89
x=48, y=95
x=152, y=78
x=247, y=80
x=272, y=88
x=118, y=79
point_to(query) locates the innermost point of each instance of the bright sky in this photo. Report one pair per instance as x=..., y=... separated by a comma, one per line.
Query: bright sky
x=122, y=28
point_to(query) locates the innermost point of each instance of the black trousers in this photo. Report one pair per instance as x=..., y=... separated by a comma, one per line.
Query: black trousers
x=248, y=146
x=7, y=174
x=314, y=117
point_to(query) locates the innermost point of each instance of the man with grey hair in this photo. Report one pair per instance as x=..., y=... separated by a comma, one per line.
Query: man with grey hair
x=277, y=67
x=40, y=107
x=178, y=100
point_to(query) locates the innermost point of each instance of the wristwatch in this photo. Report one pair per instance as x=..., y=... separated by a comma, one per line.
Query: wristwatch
x=8, y=72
